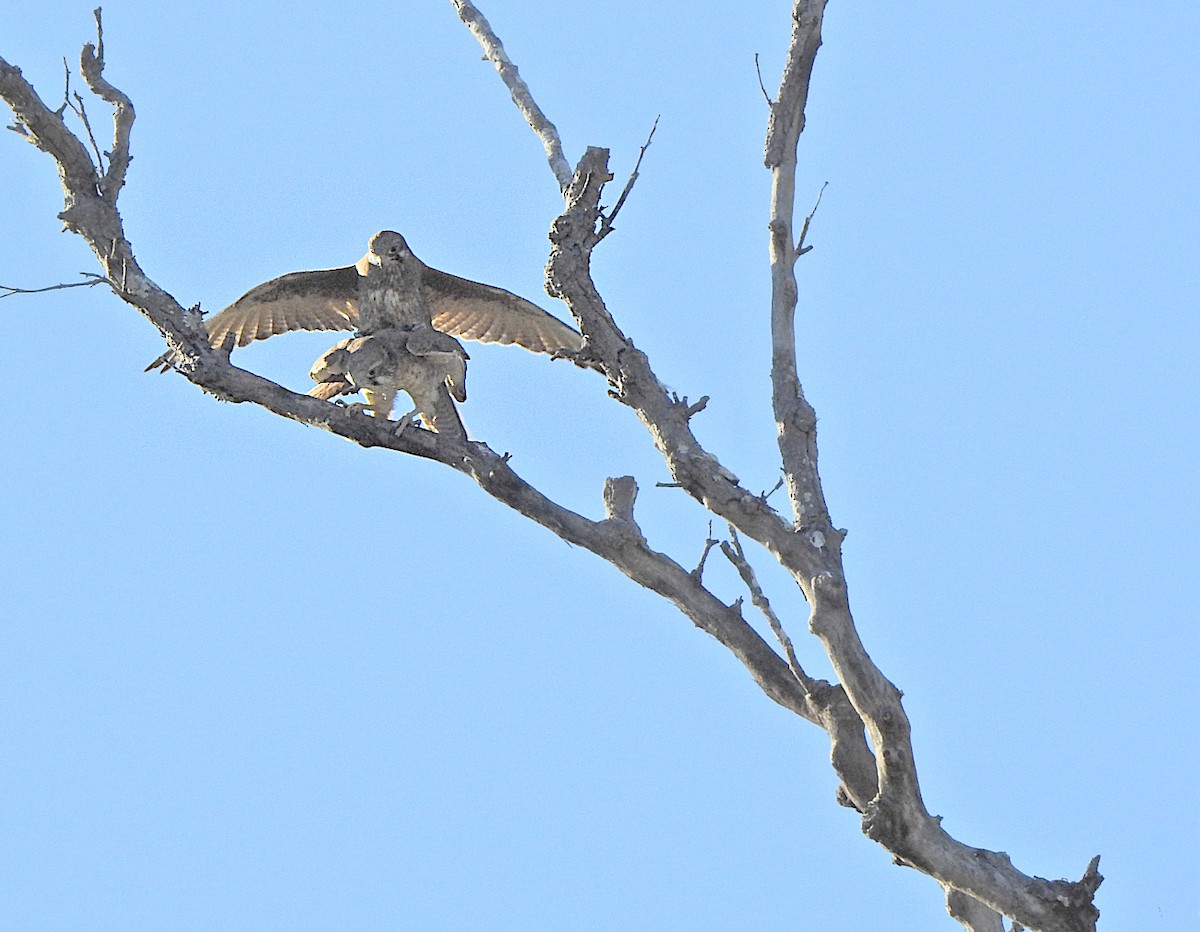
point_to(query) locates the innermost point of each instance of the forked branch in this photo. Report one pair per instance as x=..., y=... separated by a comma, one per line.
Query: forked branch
x=879, y=779
x=809, y=547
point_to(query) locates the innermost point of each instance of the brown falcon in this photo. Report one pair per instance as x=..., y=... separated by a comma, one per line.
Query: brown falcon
x=429, y=365
x=387, y=288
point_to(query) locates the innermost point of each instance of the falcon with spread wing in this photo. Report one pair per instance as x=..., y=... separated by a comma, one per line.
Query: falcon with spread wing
x=388, y=288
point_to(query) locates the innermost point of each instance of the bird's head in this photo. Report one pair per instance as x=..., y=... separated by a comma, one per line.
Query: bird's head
x=388, y=248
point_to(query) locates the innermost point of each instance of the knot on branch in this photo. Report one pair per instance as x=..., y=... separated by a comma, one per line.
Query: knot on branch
x=882, y=823
x=828, y=593
x=575, y=227
x=689, y=410
x=885, y=822
x=1074, y=899
x=706, y=463
x=619, y=495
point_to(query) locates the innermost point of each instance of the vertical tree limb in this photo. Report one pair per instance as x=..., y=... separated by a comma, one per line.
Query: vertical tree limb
x=896, y=817
x=795, y=419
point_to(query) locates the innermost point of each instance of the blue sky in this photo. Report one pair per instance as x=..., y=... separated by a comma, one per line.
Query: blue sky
x=254, y=677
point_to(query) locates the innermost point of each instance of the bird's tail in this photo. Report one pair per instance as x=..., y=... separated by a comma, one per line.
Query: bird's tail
x=444, y=417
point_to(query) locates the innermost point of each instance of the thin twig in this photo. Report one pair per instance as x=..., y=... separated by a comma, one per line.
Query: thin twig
x=761, y=85
x=734, y=553
x=711, y=542
x=606, y=222
x=801, y=249
x=9, y=290
x=690, y=411
x=775, y=488
x=79, y=110
x=62, y=108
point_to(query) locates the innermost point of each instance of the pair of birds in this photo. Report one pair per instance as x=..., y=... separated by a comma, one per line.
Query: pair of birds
x=406, y=317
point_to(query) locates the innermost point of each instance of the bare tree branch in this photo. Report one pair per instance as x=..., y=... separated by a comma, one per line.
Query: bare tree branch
x=735, y=555
x=606, y=221
x=709, y=543
x=794, y=416
x=618, y=540
x=693, y=468
x=91, y=63
x=761, y=86
x=801, y=249
x=573, y=236
x=493, y=50
x=880, y=779
x=93, y=279
x=75, y=104
x=896, y=817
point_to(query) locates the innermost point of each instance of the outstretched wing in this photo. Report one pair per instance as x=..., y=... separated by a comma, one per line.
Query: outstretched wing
x=325, y=299
x=474, y=311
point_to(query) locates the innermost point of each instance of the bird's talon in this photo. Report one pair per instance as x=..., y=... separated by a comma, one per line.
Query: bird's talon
x=405, y=424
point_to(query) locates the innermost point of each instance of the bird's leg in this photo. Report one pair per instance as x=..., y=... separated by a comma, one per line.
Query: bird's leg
x=407, y=421
x=380, y=401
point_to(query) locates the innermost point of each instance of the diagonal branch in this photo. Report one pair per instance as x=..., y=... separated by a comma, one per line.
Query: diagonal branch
x=618, y=540
x=493, y=50
x=46, y=129
x=90, y=201
x=735, y=555
x=607, y=220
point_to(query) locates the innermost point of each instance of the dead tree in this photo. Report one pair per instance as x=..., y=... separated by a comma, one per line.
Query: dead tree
x=861, y=710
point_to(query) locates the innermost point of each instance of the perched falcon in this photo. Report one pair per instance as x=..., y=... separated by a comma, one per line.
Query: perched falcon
x=388, y=287
x=429, y=365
